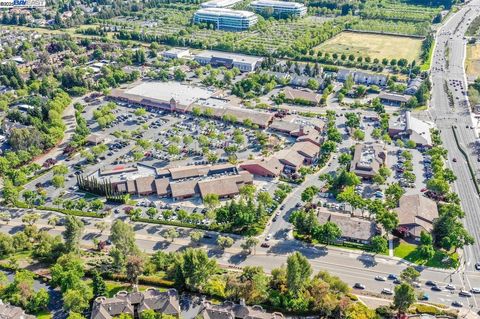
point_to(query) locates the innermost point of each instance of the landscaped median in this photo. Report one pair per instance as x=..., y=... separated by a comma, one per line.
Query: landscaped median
x=64, y=211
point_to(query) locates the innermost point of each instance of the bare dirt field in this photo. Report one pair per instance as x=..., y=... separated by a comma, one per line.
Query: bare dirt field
x=373, y=45
x=472, y=62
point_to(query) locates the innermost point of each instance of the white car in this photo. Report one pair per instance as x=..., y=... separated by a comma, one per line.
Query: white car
x=465, y=293
x=475, y=290
x=387, y=291
x=269, y=236
x=380, y=278
x=450, y=287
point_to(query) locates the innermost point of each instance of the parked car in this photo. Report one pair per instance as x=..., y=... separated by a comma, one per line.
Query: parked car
x=265, y=245
x=380, y=278
x=465, y=293
x=457, y=304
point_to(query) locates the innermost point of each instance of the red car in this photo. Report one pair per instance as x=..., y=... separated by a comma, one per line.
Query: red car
x=423, y=190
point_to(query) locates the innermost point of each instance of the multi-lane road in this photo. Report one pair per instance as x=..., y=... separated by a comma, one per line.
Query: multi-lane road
x=354, y=266
x=449, y=108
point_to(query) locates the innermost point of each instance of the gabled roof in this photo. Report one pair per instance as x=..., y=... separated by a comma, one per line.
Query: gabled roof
x=417, y=210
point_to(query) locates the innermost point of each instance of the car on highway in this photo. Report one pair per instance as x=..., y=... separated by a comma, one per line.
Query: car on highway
x=397, y=281
x=359, y=286
x=437, y=288
x=392, y=277
x=475, y=290
x=380, y=278
x=450, y=287
x=465, y=293
x=454, y=159
x=457, y=304
x=431, y=283
x=387, y=291
x=477, y=266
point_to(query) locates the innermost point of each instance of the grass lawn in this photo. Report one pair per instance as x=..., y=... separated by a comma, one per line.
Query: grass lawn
x=409, y=252
x=373, y=45
x=44, y=315
x=472, y=61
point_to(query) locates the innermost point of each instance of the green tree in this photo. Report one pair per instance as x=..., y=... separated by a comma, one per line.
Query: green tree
x=196, y=236
x=73, y=233
x=193, y=269
x=345, y=159
x=30, y=218
x=58, y=181
x=123, y=237
x=249, y=244
x=404, y=297
x=68, y=272
x=327, y=233
x=76, y=300
x=151, y=212
x=171, y=234
x=98, y=285
x=247, y=191
x=224, y=242
x=211, y=201
x=410, y=274
x=298, y=272
x=379, y=244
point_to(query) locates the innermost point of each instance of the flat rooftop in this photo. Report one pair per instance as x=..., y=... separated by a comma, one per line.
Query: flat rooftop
x=219, y=3
x=223, y=12
x=226, y=55
x=165, y=91
x=275, y=3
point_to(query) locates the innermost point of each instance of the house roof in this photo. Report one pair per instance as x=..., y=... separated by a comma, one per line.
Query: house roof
x=284, y=126
x=163, y=302
x=393, y=97
x=162, y=186
x=271, y=165
x=293, y=94
x=224, y=186
x=290, y=157
x=306, y=148
x=8, y=311
x=229, y=310
x=417, y=210
x=181, y=189
x=351, y=227
x=144, y=184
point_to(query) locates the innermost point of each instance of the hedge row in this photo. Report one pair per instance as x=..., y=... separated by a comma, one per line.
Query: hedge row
x=80, y=213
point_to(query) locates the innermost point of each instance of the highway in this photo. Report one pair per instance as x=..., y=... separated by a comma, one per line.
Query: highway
x=448, y=79
x=351, y=266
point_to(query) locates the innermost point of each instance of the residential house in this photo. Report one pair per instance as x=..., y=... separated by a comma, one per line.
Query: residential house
x=134, y=303
x=229, y=310
x=360, y=77
x=8, y=311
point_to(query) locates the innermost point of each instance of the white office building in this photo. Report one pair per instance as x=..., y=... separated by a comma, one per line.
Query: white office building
x=245, y=63
x=219, y=3
x=226, y=19
x=280, y=9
